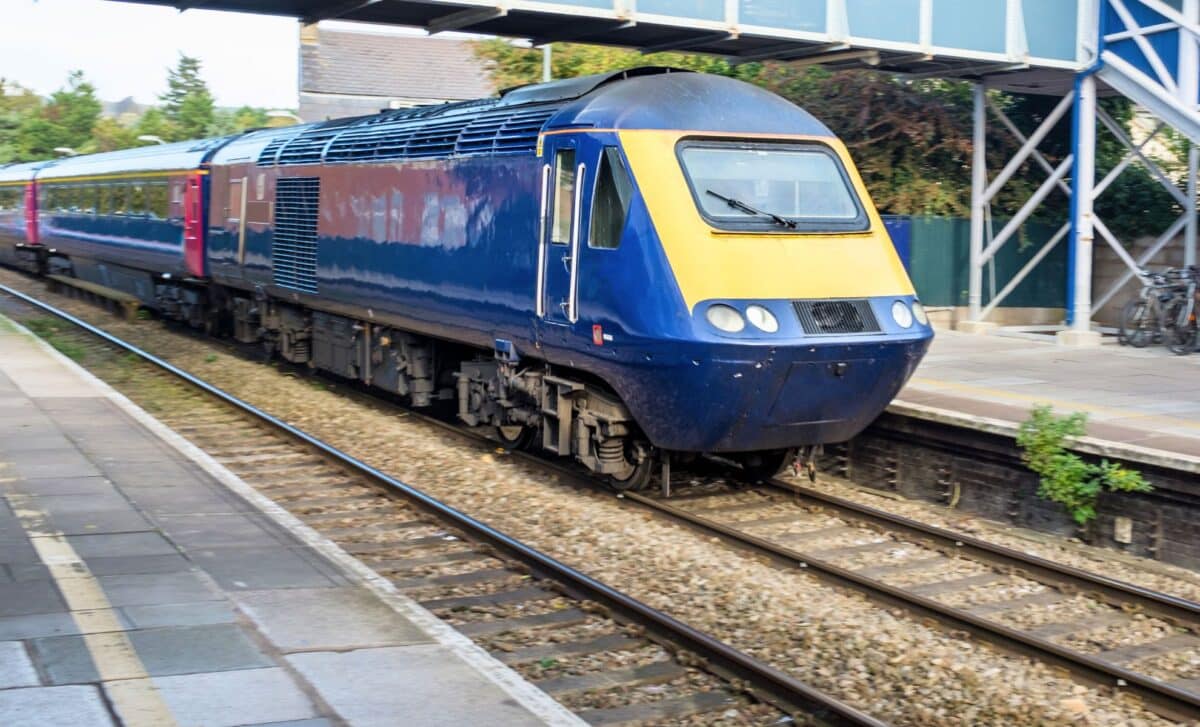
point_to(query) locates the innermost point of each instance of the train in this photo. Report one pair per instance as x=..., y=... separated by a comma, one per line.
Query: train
x=623, y=269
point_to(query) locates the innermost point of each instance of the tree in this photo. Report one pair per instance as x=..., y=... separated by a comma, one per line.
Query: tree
x=187, y=103
x=228, y=121
x=67, y=121
x=16, y=105
x=110, y=135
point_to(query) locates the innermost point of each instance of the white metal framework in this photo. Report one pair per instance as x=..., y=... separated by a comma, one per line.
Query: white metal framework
x=1130, y=56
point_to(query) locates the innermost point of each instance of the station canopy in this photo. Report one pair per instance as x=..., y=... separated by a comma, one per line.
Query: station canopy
x=1031, y=46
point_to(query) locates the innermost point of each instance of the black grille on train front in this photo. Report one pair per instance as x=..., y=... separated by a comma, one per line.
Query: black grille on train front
x=294, y=243
x=834, y=317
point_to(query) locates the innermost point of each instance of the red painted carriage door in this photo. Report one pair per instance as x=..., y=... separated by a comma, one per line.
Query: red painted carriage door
x=31, y=221
x=193, y=225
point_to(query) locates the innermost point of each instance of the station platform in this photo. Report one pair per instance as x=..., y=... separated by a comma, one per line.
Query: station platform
x=139, y=586
x=1144, y=401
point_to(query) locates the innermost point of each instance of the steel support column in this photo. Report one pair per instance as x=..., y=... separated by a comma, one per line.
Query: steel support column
x=978, y=204
x=1189, y=248
x=1083, y=186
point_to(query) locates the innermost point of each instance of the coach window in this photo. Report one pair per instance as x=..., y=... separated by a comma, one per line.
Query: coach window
x=104, y=200
x=88, y=194
x=156, y=200
x=610, y=205
x=137, y=200
x=120, y=198
x=564, y=196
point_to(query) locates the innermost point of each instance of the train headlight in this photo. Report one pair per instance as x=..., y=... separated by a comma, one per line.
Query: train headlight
x=762, y=319
x=902, y=314
x=725, y=318
x=920, y=314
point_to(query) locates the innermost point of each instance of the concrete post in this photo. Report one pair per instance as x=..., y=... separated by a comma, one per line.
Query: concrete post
x=1082, y=219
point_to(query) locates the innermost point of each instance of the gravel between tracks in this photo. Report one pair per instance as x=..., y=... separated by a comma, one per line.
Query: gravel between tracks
x=879, y=660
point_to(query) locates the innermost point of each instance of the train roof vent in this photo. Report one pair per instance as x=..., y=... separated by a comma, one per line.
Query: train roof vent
x=439, y=136
x=306, y=148
x=504, y=133
x=268, y=154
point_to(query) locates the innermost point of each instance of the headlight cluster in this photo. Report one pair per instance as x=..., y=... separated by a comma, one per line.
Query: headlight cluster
x=905, y=315
x=730, y=320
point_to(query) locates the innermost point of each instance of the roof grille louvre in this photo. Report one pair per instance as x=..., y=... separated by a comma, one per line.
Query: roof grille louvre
x=836, y=317
x=422, y=133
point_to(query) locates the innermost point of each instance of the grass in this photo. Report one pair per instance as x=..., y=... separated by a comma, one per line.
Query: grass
x=50, y=331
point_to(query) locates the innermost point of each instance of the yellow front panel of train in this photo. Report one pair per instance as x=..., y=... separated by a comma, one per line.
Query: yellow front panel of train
x=716, y=264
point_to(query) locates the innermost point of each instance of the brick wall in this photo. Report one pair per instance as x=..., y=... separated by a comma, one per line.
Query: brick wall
x=983, y=475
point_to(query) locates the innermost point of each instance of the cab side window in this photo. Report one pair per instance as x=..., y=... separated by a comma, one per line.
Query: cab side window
x=564, y=196
x=610, y=205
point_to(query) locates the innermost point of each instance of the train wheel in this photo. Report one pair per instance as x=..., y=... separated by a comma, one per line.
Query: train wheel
x=766, y=464
x=639, y=468
x=516, y=436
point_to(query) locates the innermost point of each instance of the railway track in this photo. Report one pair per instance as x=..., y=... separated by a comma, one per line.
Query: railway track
x=1055, y=613
x=1065, y=616
x=606, y=655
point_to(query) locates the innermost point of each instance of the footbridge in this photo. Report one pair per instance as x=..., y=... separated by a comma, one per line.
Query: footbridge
x=1078, y=50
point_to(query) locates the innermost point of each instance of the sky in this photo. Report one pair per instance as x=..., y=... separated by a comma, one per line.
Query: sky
x=125, y=50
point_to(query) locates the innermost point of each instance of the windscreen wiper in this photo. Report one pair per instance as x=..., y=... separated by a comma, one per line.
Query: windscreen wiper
x=737, y=204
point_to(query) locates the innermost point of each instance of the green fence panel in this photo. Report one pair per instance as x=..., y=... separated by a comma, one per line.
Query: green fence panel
x=941, y=255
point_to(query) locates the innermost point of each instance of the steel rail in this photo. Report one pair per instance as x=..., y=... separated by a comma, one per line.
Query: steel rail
x=1171, y=701
x=1178, y=611
x=768, y=682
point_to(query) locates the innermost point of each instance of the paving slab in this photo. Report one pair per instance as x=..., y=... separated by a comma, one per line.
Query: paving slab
x=36, y=625
x=429, y=674
x=327, y=619
x=29, y=597
x=224, y=699
x=115, y=545
x=180, y=614
x=76, y=706
x=252, y=569
x=77, y=503
x=162, y=651
x=146, y=589
x=89, y=523
x=16, y=669
x=219, y=530
x=64, y=486
x=119, y=565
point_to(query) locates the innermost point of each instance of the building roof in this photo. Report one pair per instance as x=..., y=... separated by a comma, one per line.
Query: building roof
x=391, y=66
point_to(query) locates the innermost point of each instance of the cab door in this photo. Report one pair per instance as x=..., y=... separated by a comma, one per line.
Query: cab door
x=563, y=183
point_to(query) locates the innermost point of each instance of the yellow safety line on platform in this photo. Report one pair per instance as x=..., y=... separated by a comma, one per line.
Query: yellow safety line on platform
x=1057, y=403
x=125, y=678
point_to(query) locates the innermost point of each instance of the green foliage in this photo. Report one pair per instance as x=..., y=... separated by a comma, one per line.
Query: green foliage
x=66, y=121
x=187, y=103
x=1065, y=477
x=32, y=127
x=16, y=104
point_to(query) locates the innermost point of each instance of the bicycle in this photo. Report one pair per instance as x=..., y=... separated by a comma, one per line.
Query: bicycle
x=1179, y=314
x=1141, y=318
